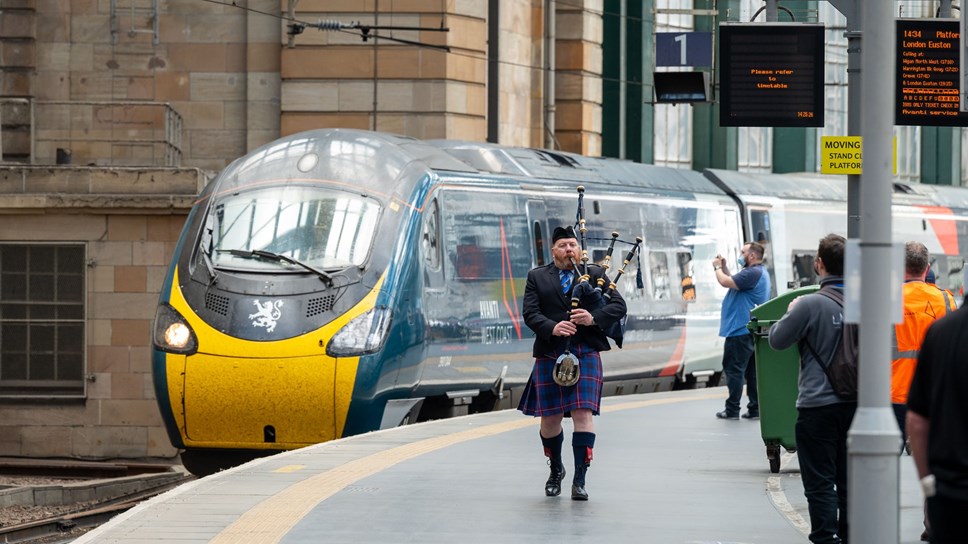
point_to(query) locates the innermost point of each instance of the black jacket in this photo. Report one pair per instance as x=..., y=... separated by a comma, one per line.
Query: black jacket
x=545, y=305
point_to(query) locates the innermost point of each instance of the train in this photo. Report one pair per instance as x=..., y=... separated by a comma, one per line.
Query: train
x=336, y=281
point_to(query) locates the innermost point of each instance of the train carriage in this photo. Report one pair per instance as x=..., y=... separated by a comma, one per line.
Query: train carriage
x=336, y=282
x=790, y=211
x=339, y=281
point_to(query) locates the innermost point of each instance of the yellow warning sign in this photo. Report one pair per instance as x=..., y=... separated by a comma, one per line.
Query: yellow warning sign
x=840, y=155
x=843, y=155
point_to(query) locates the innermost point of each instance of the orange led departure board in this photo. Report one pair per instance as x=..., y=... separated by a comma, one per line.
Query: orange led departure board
x=772, y=75
x=927, y=73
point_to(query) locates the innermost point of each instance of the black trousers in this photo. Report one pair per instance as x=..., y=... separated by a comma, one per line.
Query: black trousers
x=739, y=366
x=949, y=520
x=821, y=435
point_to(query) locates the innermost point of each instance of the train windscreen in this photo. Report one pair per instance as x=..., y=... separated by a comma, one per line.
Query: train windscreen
x=324, y=229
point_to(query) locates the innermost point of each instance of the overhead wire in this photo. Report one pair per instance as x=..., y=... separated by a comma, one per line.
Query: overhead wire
x=366, y=32
x=448, y=50
x=372, y=34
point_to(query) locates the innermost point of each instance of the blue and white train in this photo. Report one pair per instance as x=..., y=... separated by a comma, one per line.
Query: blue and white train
x=335, y=282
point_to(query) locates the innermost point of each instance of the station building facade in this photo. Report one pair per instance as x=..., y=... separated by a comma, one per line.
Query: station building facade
x=113, y=115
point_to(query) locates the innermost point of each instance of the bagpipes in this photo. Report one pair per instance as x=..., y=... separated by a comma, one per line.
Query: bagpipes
x=594, y=297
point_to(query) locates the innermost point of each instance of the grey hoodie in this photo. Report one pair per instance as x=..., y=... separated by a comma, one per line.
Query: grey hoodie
x=818, y=320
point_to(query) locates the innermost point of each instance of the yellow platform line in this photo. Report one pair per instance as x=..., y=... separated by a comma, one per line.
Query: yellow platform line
x=270, y=520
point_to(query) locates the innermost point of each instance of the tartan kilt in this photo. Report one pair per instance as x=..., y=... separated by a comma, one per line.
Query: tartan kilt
x=543, y=397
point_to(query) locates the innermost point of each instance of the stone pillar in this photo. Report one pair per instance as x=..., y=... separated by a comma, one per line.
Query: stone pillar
x=519, y=99
x=578, y=121
x=262, y=60
x=335, y=79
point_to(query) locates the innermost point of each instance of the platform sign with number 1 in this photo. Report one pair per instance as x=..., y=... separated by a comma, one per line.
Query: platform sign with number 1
x=683, y=48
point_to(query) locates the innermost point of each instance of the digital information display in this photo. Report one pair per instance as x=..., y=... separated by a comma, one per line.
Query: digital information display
x=772, y=75
x=927, y=73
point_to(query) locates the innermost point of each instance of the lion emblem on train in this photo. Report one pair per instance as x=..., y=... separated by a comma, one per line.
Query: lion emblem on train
x=266, y=314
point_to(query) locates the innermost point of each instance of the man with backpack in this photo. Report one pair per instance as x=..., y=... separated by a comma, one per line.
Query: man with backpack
x=816, y=324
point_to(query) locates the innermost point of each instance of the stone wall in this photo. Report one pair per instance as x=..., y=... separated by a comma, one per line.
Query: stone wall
x=237, y=80
x=216, y=65
x=336, y=79
x=129, y=220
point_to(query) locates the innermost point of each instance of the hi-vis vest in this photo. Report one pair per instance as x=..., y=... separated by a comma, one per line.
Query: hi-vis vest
x=923, y=304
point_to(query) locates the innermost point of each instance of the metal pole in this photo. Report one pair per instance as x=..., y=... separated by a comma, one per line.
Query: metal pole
x=376, y=65
x=771, y=11
x=944, y=9
x=850, y=10
x=853, y=36
x=623, y=77
x=874, y=439
x=493, y=71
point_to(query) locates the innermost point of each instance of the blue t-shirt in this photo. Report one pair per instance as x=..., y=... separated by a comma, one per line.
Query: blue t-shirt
x=754, y=289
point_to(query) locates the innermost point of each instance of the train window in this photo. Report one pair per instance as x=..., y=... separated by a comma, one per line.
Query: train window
x=659, y=268
x=430, y=240
x=684, y=260
x=803, y=272
x=470, y=258
x=486, y=238
x=539, y=251
x=760, y=226
x=956, y=279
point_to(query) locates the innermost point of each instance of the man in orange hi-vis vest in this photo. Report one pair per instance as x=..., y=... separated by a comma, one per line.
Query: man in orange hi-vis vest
x=923, y=304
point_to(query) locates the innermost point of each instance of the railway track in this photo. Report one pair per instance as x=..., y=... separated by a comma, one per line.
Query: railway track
x=112, y=487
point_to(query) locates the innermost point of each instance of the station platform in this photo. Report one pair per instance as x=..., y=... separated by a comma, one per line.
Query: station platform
x=665, y=471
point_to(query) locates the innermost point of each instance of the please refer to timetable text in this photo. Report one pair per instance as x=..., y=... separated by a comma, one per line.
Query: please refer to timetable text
x=772, y=78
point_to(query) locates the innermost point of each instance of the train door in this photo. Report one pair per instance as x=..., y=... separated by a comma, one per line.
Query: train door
x=761, y=233
x=439, y=271
x=538, y=225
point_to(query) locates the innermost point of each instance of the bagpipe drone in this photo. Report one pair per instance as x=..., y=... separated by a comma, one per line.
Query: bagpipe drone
x=594, y=297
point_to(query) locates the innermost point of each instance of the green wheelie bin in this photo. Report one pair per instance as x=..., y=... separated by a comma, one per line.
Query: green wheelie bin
x=776, y=377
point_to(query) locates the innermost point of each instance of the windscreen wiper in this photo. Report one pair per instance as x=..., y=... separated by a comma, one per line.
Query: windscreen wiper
x=206, y=249
x=212, y=274
x=270, y=256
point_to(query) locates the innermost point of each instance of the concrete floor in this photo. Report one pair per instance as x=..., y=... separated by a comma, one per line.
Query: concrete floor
x=665, y=471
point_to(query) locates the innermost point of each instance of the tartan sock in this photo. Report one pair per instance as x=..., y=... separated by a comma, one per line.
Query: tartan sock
x=582, y=445
x=552, y=448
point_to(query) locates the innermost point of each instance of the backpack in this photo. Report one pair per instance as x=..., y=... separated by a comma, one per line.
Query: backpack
x=841, y=370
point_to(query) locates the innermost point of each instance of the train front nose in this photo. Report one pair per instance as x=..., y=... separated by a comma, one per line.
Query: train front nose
x=259, y=402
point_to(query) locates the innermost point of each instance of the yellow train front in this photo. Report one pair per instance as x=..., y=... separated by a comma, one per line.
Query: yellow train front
x=278, y=294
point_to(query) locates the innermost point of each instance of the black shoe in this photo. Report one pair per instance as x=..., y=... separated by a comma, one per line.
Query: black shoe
x=553, y=485
x=751, y=415
x=578, y=493
x=925, y=537
x=726, y=415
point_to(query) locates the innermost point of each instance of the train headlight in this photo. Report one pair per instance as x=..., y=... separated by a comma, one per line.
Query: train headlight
x=172, y=333
x=364, y=334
